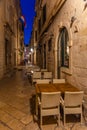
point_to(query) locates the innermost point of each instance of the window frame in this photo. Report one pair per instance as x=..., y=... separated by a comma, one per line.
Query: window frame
x=50, y=44
x=64, y=46
x=44, y=14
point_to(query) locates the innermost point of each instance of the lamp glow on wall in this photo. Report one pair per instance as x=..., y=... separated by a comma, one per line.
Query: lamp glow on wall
x=32, y=50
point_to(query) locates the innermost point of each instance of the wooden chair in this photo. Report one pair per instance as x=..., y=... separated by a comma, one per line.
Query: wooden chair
x=58, y=80
x=49, y=105
x=41, y=81
x=43, y=70
x=85, y=109
x=85, y=105
x=47, y=75
x=36, y=69
x=35, y=76
x=72, y=103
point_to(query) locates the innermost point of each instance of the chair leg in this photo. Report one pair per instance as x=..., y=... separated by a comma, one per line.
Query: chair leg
x=40, y=120
x=36, y=105
x=81, y=118
x=40, y=117
x=59, y=119
x=64, y=119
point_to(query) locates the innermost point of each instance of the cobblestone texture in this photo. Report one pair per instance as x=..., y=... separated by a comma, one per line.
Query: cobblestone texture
x=17, y=106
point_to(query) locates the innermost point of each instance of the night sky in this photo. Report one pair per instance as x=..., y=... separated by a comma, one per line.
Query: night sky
x=28, y=11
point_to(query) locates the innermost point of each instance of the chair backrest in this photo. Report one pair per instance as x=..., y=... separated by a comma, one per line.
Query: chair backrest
x=47, y=75
x=85, y=90
x=58, y=80
x=28, y=69
x=43, y=70
x=73, y=99
x=45, y=81
x=36, y=69
x=37, y=75
x=50, y=100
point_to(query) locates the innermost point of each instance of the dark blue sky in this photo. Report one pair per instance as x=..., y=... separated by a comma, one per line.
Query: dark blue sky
x=28, y=11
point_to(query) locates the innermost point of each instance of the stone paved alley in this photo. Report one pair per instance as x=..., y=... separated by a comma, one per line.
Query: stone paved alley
x=17, y=105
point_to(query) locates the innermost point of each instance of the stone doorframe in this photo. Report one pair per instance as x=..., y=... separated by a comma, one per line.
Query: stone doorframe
x=63, y=70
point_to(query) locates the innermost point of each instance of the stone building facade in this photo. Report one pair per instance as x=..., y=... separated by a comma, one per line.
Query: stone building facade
x=11, y=35
x=60, y=34
x=33, y=42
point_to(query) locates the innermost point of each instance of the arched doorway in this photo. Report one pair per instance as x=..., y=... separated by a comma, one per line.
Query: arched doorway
x=63, y=50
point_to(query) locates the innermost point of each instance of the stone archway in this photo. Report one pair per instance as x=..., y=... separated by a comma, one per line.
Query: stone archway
x=58, y=69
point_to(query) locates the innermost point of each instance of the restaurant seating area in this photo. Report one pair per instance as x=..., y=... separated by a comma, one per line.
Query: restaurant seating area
x=71, y=100
x=21, y=107
x=34, y=73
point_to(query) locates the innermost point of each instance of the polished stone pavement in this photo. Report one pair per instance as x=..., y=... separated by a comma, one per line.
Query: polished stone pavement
x=17, y=106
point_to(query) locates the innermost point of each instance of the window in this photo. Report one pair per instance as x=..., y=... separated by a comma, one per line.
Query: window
x=44, y=14
x=39, y=25
x=64, y=47
x=50, y=44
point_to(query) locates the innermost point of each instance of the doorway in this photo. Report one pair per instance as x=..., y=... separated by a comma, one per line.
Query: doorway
x=63, y=50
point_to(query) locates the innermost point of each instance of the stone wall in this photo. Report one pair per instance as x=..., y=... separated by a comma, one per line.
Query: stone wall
x=1, y=38
x=8, y=32
x=77, y=72
x=73, y=16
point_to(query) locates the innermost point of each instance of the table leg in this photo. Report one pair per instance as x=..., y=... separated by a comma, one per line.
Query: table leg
x=36, y=104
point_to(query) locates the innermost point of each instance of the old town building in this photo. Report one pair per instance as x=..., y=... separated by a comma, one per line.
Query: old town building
x=11, y=35
x=60, y=39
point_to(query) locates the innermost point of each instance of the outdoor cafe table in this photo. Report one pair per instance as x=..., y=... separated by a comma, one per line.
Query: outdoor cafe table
x=62, y=87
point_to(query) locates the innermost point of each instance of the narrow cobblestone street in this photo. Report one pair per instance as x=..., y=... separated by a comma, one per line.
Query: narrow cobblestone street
x=15, y=97
x=17, y=105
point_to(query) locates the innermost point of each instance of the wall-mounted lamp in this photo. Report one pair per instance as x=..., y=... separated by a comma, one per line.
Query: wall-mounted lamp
x=31, y=50
x=85, y=6
x=76, y=29
x=73, y=18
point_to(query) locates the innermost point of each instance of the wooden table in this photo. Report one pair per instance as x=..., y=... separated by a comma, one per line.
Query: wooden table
x=62, y=87
x=45, y=88
x=65, y=87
